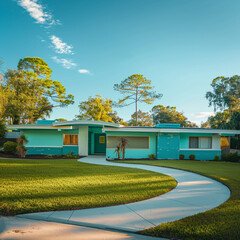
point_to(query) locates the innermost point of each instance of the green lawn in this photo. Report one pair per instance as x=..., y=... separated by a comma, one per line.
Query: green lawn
x=44, y=185
x=222, y=222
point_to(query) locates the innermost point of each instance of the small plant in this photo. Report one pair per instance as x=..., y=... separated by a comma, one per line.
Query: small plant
x=21, y=149
x=216, y=158
x=70, y=155
x=181, y=156
x=192, y=157
x=152, y=156
x=10, y=147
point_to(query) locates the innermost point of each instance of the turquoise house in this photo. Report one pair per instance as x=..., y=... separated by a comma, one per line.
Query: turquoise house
x=83, y=137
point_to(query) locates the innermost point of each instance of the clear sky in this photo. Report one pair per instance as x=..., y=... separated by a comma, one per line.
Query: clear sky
x=181, y=45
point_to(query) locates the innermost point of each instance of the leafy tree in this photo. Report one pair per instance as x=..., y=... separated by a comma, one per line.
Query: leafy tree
x=61, y=119
x=136, y=89
x=225, y=97
x=191, y=124
x=225, y=120
x=144, y=119
x=2, y=129
x=205, y=124
x=29, y=92
x=225, y=93
x=168, y=114
x=96, y=108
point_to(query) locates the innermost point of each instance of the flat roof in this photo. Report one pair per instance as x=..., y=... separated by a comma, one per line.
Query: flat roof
x=86, y=123
x=172, y=130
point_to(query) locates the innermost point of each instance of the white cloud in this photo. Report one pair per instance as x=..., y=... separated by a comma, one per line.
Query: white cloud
x=84, y=71
x=65, y=62
x=60, y=46
x=38, y=12
x=203, y=114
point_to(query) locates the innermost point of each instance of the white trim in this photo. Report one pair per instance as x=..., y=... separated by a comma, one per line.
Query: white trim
x=172, y=130
x=86, y=122
x=199, y=149
x=37, y=127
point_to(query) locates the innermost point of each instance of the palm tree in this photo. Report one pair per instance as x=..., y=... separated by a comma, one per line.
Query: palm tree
x=123, y=145
x=117, y=150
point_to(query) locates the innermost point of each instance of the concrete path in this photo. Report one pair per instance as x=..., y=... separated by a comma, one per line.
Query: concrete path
x=193, y=194
x=14, y=228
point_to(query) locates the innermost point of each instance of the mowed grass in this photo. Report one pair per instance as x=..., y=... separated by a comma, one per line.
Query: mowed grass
x=221, y=223
x=45, y=185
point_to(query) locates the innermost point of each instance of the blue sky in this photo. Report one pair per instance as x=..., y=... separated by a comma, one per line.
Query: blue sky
x=181, y=45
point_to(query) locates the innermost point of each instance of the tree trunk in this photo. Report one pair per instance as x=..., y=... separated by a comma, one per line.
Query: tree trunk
x=136, y=110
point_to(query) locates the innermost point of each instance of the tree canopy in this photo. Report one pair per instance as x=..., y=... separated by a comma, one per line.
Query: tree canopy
x=29, y=93
x=2, y=129
x=144, y=119
x=225, y=97
x=136, y=89
x=98, y=109
x=167, y=114
x=225, y=93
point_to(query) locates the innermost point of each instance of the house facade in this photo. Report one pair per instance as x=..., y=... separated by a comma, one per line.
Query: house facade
x=166, y=141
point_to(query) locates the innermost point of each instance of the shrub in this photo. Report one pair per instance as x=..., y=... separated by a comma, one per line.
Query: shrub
x=152, y=156
x=192, y=157
x=181, y=156
x=231, y=157
x=49, y=156
x=216, y=158
x=10, y=147
x=70, y=155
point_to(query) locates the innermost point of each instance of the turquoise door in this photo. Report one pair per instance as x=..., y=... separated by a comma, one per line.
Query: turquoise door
x=168, y=146
x=100, y=143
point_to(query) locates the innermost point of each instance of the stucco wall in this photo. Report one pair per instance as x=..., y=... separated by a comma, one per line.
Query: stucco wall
x=49, y=142
x=201, y=154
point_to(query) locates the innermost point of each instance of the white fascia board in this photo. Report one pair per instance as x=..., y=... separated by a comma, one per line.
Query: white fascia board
x=85, y=122
x=172, y=130
x=130, y=130
x=11, y=127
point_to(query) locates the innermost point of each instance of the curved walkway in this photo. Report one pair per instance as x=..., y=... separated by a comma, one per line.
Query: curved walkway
x=193, y=194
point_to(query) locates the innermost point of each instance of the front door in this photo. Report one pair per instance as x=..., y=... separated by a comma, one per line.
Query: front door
x=100, y=143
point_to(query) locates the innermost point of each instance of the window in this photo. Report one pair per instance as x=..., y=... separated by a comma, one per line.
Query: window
x=132, y=142
x=200, y=142
x=70, y=139
x=102, y=139
x=193, y=142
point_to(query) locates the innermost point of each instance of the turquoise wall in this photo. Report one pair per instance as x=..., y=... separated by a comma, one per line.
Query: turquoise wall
x=44, y=137
x=49, y=142
x=184, y=138
x=201, y=154
x=44, y=151
x=134, y=153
